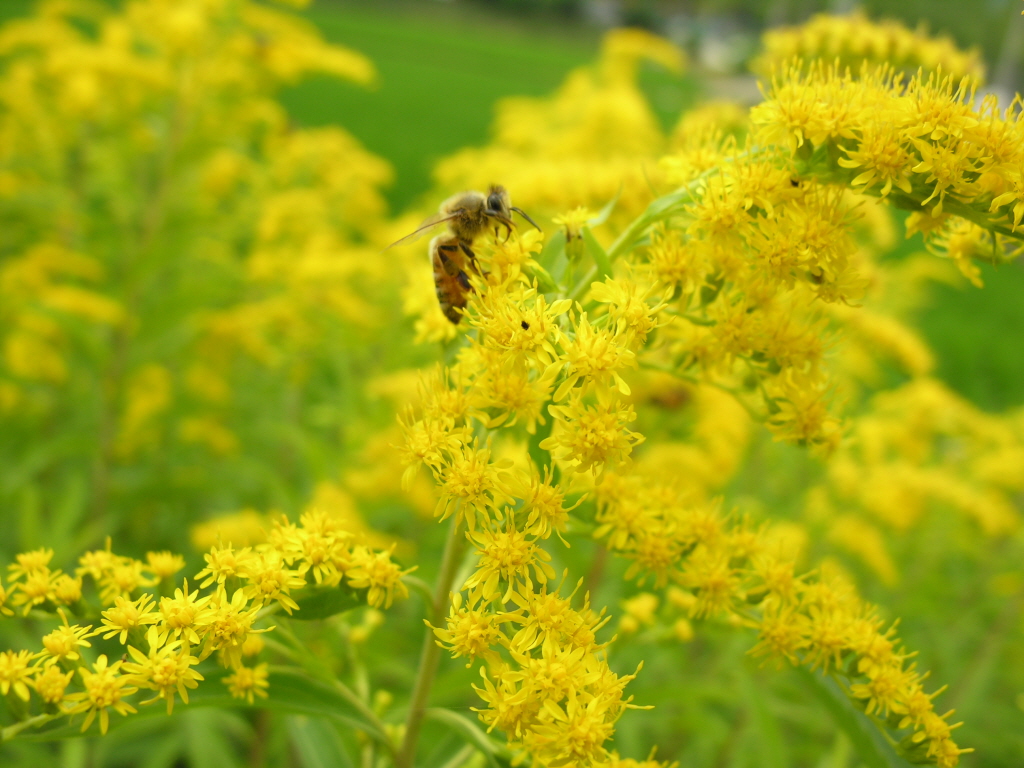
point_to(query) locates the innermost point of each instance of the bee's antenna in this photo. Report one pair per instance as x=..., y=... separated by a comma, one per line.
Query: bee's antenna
x=523, y=214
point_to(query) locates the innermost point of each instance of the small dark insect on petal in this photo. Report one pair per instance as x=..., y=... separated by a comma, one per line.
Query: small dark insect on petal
x=526, y=325
x=794, y=182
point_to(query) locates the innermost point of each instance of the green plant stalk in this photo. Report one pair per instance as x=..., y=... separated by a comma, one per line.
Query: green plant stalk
x=308, y=663
x=431, y=653
x=8, y=733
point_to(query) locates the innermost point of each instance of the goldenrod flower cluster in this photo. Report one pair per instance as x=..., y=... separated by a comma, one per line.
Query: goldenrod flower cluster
x=896, y=467
x=854, y=39
x=927, y=145
x=734, y=289
x=160, y=632
x=608, y=378
x=142, y=147
x=723, y=568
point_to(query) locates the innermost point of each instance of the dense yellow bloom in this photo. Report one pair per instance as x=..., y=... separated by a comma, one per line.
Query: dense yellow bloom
x=248, y=682
x=378, y=573
x=15, y=673
x=471, y=484
x=166, y=669
x=222, y=563
x=592, y=436
x=268, y=579
x=63, y=642
x=51, y=682
x=595, y=357
x=470, y=631
x=854, y=39
x=608, y=381
x=182, y=614
x=128, y=615
x=507, y=557
x=227, y=624
x=105, y=688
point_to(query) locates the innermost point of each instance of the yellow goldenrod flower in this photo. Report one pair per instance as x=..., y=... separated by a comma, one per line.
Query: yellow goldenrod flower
x=471, y=485
x=226, y=624
x=66, y=589
x=124, y=576
x=470, y=631
x=520, y=323
x=51, y=682
x=378, y=573
x=595, y=356
x=166, y=669
x=543, y=503
x=516, y=394
x=267, y=579
x=318, y=545
x=15, y=673
x=163, y=565
x=253, y=645
x=627, y=307
x=63, y=643
x=5, y=610
x=222, y=563
x=248, y=682
x=105, y=688
x=592, y=436
x=29, y=562
x=35, y=589
x=96, y=563
x=573, y=222
x=854, y=39
x=182, y=614
x=127, y=615
x=507, y=557
x=573, y=733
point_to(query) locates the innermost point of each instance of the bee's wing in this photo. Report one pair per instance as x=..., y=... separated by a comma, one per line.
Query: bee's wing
x=430, y=221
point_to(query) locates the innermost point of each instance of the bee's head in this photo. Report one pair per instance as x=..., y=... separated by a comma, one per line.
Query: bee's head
x=497, y=202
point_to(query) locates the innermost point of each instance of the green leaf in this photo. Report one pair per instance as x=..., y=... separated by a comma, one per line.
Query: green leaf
x=469, y=730
x=772, y=751
x=317, y=743
x=545, y=282
x=553, y=251
x=605, y=212
x=207, y=744
x=597, y=251
x=319, y=602
x=663, y=205
x=865, y=736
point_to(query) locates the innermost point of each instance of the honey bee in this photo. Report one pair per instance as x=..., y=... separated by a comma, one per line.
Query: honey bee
x=468, y=215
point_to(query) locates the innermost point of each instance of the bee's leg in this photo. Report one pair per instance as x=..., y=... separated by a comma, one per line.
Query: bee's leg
x=445, y=252
x=464, y=281
x=469, y=253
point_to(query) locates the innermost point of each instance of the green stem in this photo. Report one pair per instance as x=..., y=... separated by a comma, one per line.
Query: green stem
x=8, y=733
x=296, y=652
x=461, y=757
x=431, y=653
x=419, y=585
